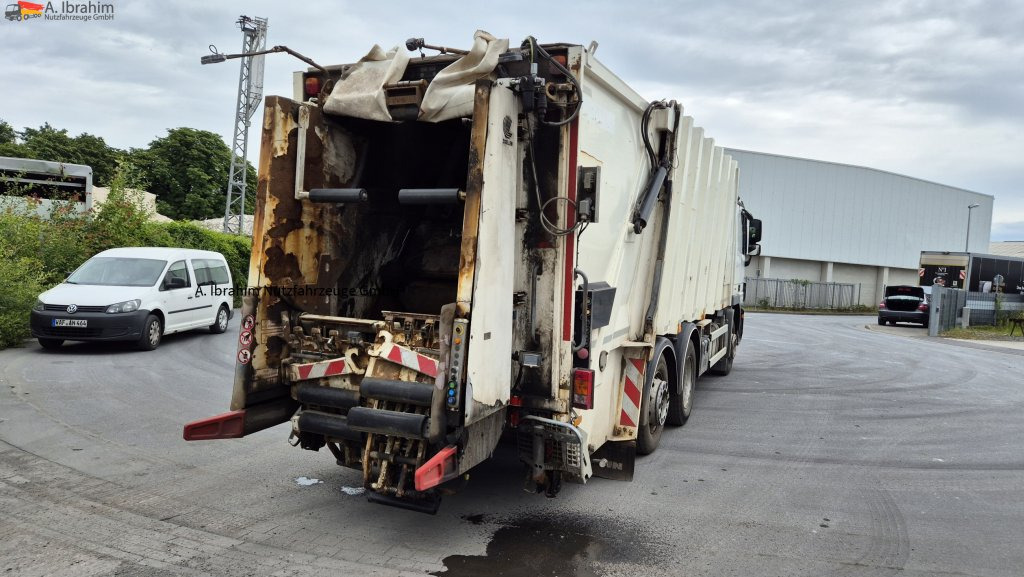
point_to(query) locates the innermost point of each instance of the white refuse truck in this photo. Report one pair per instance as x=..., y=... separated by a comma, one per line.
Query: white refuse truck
x=502, y=241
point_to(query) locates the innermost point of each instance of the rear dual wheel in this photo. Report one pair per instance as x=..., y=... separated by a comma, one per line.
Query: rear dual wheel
x=682, y=402
x=663, y=402
x=655, y=406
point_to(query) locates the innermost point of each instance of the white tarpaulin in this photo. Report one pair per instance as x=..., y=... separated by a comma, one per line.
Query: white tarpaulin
x=360, y=93
x=450, y=94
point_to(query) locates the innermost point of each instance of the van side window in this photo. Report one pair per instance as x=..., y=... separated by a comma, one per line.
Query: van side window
x=201, y=268
x=218, y=272
x=179, y=273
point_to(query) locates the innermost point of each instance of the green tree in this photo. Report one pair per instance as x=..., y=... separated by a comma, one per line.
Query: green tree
x=188, y=171
x=9, y=141
x=7, y=134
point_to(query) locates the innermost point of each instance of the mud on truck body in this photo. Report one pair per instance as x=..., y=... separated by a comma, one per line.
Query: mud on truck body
x=451, y=247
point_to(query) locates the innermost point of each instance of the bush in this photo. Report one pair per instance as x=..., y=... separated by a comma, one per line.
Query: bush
x=21, y=283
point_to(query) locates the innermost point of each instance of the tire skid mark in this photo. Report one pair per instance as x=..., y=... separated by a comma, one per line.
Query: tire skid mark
x=888, y=548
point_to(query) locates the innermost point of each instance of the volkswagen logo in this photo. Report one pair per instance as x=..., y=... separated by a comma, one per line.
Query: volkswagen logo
x=72, y=309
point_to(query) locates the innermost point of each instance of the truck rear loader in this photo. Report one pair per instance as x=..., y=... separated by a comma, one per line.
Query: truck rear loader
x=504, y=241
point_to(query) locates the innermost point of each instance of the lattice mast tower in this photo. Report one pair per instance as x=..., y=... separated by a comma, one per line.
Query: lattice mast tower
x=250, y=93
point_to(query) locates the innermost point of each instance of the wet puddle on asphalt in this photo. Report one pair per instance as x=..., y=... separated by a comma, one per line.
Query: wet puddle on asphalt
x=570, y=547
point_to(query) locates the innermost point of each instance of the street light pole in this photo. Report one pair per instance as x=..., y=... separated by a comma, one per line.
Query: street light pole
x=967, y=241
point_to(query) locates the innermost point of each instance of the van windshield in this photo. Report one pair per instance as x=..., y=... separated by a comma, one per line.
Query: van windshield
x=118, y=271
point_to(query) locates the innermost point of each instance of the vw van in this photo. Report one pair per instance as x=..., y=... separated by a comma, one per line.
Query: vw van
x=136, y=294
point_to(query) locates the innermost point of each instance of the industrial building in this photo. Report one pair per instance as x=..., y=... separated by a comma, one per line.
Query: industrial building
x=831, y=222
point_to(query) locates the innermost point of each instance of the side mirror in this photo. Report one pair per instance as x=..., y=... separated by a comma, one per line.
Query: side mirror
x=755, y=251
x=753, y=233
x=175, y=283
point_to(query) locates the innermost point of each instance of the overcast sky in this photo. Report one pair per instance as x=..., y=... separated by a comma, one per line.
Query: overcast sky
x=929, y=89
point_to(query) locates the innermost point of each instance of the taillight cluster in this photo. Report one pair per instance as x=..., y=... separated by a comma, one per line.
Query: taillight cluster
x=881, y=305
x=922, y=307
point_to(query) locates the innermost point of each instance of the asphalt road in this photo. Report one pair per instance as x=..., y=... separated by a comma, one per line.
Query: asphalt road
x=830, y=450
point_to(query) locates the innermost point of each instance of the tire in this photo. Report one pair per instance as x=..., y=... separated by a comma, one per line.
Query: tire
x=682, y=402
x=152, y=333
x=220, y=324
x=51, y=344
x=881, y=321
x=655, y=407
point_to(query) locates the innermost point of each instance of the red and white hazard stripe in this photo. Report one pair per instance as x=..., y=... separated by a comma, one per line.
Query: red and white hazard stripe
x=320, y=369
x=411, y=360
x=632, y=385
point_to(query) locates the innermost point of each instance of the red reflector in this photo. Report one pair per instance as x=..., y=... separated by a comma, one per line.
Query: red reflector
x=583, y=388
x=312, y=86
x=440, y=468
x=559, y=58
x=224, y=426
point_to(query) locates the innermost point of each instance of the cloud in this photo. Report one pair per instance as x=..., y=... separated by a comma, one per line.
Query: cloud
x=1004, y=231
x=925, y=89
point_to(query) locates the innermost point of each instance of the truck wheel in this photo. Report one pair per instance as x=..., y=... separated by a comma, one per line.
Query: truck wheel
x=152, y=332
x=654, y=412
x=682, y=402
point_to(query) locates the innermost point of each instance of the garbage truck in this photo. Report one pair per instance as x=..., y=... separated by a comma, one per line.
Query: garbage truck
x=503, y=242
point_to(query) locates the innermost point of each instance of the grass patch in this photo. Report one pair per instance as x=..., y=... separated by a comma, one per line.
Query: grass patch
x=987, y=333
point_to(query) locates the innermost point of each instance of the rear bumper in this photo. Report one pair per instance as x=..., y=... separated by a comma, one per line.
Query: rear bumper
x=915, y=316
x=100, y=326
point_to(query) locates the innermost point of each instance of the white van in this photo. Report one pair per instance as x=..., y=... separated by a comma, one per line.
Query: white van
x=136, y=294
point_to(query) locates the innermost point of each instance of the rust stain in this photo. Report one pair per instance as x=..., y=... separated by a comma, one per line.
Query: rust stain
x=282, y=124
x=474, y=187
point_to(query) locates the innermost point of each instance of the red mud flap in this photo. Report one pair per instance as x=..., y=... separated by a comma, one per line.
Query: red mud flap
x=440, y=468
x=223, y=426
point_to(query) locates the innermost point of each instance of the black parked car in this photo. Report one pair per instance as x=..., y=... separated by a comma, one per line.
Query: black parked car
x=906, y=304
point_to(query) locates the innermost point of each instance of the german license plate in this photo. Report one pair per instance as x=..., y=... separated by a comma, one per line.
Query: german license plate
x=70, y=322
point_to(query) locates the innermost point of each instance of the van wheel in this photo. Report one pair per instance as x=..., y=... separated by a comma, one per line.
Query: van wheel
x=51, y=344
x=682, y=402
x=655, y=409
x=152, y=332
x=221, y=323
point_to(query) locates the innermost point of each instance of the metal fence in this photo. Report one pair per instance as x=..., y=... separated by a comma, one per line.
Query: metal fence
x=984, y=306
x=947, y=305
x=944, y=308
x=798, y=294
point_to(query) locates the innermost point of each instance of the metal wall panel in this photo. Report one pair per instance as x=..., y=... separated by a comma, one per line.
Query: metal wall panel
x=833, y=212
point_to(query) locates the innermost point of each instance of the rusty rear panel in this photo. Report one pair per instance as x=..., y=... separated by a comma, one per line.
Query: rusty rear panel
x=295, y=244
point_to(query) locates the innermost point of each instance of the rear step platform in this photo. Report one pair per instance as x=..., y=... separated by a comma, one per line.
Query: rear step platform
x=427, y=505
